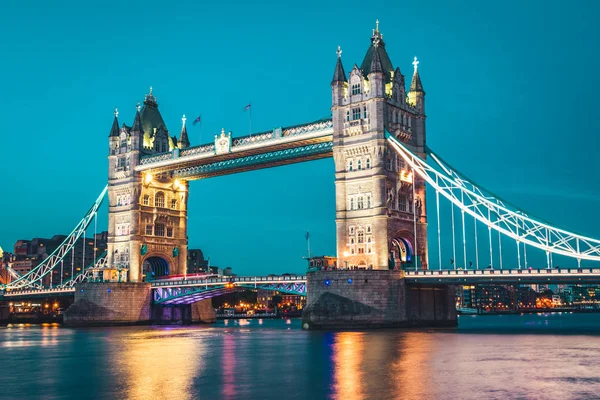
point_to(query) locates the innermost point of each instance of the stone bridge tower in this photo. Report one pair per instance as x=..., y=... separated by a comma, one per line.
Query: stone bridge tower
x=381, y=218
x=147, y=215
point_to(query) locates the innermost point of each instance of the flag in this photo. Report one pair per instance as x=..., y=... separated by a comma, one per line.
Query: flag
x=247, y=107
x=197, y=120
x=451, y=261
x=307, y=235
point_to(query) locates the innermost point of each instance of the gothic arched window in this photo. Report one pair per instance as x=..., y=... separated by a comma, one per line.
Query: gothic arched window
x=159, y=199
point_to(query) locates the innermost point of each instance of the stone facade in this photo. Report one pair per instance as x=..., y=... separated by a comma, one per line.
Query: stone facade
x=380, y=204
x=147, y=217
x=374, y=299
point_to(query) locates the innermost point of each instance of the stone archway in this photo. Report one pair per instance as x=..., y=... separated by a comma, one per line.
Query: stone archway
x=155, y=266
x=401, y=251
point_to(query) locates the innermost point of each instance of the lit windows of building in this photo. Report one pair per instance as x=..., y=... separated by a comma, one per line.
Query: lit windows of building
x=146, y=200
x=169, y=231
x=355, y=113
x=356, y=88
x=148, y=229
x=173, y=203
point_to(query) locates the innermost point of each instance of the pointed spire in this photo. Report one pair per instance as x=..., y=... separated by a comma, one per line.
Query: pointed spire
x=339, y=75
x=137, y=121
x=150, y=100
x=376, y=63
x=415, y=85
x=183, y=141
x=114, y=131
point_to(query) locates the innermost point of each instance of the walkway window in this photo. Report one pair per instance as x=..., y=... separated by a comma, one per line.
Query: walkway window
x=368, y=201
x=148, y=229
x=146, y=200
x=348, y=115
x=368, y=163
x=355, y=113
x=361, y=204
x=350, y=165
x=365, y=112
x=352, y=203
x=356, y=88
x=173, y=203
x=159, y=229
x=159, y=199
x=359, y=164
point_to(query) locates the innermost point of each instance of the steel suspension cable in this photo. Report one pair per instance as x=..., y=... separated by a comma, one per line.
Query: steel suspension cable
x=476, y=247
x=453, y=238
x=463, y=234
x=437, y=204
x=491, y=247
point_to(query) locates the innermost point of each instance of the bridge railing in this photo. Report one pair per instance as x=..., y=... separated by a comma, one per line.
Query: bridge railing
x=503, y=272
x=237, y=279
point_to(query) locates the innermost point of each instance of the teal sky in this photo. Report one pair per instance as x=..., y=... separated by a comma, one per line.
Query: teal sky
x=512, y=102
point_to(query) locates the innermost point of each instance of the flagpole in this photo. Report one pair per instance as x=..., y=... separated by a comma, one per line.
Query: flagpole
x=308, y=242
x=250, y=118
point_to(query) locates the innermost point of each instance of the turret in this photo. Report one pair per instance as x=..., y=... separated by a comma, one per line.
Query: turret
x=416, y=94
x=137, y=133
x=113, y=136
x=183, y=141
x=339, y=85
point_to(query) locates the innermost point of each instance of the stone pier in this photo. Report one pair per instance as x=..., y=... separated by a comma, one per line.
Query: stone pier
x=112, y=303
x=374, y=299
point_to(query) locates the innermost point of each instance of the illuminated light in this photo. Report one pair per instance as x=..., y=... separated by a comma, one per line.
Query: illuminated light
x=81, y=290
x=148, y=178
x=349, y=280
x=108, y=290
x=46, y=305
x=327, y=283
x=346, y=254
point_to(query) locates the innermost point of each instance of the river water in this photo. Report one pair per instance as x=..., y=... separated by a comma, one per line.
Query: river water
x=541, y=356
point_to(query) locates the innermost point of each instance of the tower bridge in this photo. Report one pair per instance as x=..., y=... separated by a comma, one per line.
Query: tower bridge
x=386, y=275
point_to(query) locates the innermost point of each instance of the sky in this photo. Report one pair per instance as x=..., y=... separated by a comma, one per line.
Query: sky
x=511, y=102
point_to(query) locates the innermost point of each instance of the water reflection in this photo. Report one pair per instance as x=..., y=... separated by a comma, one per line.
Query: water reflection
x=157, y=364
x=348, y=372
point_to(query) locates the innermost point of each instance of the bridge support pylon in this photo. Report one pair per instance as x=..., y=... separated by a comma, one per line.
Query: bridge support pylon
x=363, y=299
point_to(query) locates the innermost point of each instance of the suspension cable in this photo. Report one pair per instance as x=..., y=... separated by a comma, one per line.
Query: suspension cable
x=437, y=204
x=490, y=235
x=414, y=200
x=500, y=248
x=453, y=238
x=476, y=248
x=462, y=212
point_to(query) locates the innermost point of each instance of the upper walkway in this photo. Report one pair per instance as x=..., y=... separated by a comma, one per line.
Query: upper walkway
x=227, y=155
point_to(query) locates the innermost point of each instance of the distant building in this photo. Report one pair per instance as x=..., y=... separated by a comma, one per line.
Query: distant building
x=196, y=264
x=322, y=262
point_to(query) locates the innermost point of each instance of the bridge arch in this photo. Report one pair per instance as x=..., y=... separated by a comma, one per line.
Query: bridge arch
x=401, y=249
x=157, y=264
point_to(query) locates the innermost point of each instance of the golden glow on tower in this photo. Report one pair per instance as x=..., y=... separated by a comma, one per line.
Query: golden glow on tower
x=147, y=178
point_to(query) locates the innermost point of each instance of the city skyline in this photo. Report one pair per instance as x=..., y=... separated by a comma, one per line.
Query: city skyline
x=286, y=202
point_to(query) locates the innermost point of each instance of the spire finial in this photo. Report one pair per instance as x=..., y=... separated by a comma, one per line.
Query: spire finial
x=150, y=90
x=377, y=25
x=183, y=119
x=415, y=63
x=116, y=113
x=339, y=52
x=137, y=106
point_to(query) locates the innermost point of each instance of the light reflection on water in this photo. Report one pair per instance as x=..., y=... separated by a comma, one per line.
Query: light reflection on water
x=503, y=357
